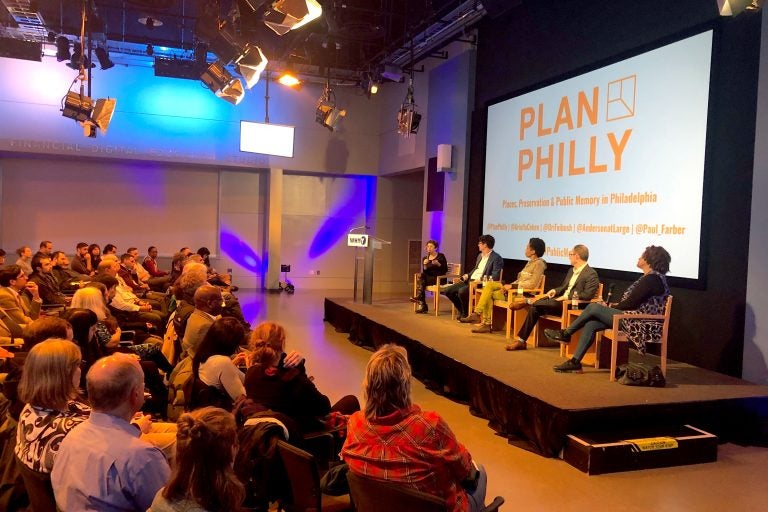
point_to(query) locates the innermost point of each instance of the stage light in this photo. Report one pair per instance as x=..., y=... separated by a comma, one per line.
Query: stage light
x=79, y=60
x=289, y=79
x=408, y=119
x=286, y=15
x=735, y=7
x=62, y=49
x=104, y=61
x=326, y=112
x=222, y=83
x=369, y=84
x=77, y=106
x=251, y=64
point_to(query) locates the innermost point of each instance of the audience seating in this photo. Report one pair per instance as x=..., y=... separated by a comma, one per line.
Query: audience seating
x=370, y=495
x=305, y=482
x=39, y=489
x=616, y=335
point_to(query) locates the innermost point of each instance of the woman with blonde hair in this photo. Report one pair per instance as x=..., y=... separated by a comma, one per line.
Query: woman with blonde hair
x=203, y=479
x=394, y=440
x=49, y=386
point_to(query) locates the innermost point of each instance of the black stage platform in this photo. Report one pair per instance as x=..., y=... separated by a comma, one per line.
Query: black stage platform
x=535, y=408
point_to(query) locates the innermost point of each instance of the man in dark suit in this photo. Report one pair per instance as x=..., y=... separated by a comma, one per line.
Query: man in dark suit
x=581, y=279
x=488, y=263
x=46, y=283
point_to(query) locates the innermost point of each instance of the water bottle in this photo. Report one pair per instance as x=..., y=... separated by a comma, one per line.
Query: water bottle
x=485, y=279
x=520, y=289
x=575, y=300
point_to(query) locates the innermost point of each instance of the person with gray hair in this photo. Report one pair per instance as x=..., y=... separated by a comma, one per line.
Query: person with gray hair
x=393, y=440
x=102, y=464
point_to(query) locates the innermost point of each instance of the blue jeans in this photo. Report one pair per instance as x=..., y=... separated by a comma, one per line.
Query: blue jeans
x=477, y=497
x=594, y=318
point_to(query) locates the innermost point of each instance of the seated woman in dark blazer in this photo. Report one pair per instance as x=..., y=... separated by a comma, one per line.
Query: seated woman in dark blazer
x=434, y=265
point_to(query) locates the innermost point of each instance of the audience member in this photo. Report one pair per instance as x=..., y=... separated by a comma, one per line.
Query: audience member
x=109, y=249
x=581, y=279
x=203, y=477
x=488, y=264
x=102, y=464
x=150, y=263
x=125, y=302
x=208, y=305
x=47, y=286
x=158, y=284
x=46, y=248
x=647, y=295
x=528, y=278
x=2, y=257
x=17, y=308
x=392, y=439
x=213, y=366
x=25, y=259
x=67, y=279
x=433, y=265
x=127, y=274
x=82, y=263
x=288, y=389
x=95, y=251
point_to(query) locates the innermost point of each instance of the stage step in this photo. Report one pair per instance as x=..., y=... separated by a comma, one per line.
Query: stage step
x=610, y=452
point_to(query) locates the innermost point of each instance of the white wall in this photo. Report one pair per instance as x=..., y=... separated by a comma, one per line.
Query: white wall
x=755, y=365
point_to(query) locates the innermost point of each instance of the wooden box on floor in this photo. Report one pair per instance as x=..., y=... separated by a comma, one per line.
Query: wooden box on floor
x=609, y=452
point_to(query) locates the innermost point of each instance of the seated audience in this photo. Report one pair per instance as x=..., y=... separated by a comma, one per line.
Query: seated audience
x=102, y=464
x=287, y=389
x=19, y=298
x=394, y=440
x=528, y=278
x=434, y=265
x=142, y=275
x=82, y=263
x=203, y=477
x=2, y=257
x=581, y=279
x=647, y=295
x=208, y=305
x=47, y=285
x=49, y=386
x=109, y=249
x=67, y=279
x=220, y=381
x=488, y=264
x=46, y=249
x=25, y=259
x=127, y=306
x=150, y=263
x=127, y=274
x=95, y=251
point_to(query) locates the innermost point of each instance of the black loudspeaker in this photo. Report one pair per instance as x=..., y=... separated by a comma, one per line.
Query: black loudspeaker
x=496, y=8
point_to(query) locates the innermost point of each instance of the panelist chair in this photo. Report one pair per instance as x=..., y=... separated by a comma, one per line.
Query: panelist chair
x=563, y=318
x=616, y=335
x=369, y=495
x=454, y=272
x=509, y=305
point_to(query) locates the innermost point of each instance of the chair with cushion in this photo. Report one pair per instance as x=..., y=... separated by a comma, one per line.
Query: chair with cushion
x=371, y=495
x=454, y=272
x=616, y=335
x=302, y=471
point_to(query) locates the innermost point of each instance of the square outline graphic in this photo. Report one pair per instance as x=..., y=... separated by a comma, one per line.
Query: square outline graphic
x=621, y=98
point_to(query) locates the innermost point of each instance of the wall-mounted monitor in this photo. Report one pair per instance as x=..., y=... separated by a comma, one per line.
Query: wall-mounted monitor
x=267, y=139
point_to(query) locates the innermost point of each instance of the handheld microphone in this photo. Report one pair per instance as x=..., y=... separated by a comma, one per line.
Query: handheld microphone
x=610, y=292
x=359, y=227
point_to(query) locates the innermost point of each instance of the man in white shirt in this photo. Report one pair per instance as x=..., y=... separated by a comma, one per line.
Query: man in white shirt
x=581, y=279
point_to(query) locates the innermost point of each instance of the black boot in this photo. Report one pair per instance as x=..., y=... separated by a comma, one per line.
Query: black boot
x=419, y=297
x=422, y=308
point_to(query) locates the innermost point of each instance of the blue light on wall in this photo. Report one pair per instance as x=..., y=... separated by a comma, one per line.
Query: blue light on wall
x=240, y=252
x=358, y=203
x=436, y=226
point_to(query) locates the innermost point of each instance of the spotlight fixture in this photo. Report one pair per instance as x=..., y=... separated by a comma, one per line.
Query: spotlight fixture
x=79, y=60
x=62, y=49
x=735, y=7
x=77, y=106
x=369, y=84
x=408, y=119
x=289, y=79
x=326, y=113
x=286, y=15
x=150, y=22
x=104, y=61
x=222, y=83
x=250, y=64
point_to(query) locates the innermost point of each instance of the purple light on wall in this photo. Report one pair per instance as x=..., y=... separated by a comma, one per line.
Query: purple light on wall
x=435, y=226
x=349, y=212
x=240, y=252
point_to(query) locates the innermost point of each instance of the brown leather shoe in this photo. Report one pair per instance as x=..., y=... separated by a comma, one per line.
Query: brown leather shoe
x=482, y=329
x=518, y=345
x=472, y=318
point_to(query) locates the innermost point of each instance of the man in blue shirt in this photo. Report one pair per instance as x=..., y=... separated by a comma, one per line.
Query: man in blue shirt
x=102, y=464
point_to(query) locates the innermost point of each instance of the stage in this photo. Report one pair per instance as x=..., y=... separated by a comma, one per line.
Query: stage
x=536, y=408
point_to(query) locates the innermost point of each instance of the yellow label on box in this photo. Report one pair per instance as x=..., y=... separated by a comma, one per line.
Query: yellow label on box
x=650, y=444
